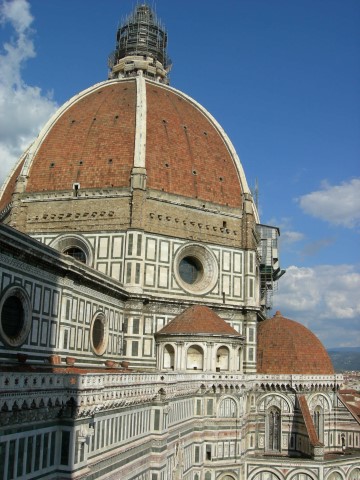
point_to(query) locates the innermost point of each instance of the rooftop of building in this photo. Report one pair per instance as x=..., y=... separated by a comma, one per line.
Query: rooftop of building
x=285, y=346
x=198, y=319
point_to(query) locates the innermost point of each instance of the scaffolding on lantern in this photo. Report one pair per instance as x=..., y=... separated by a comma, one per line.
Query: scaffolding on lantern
x=141, y=36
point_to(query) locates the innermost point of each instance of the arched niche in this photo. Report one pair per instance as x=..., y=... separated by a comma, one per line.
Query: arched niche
x=222, y=358
x=195, y=358
x=169, y=357
x=239, y=359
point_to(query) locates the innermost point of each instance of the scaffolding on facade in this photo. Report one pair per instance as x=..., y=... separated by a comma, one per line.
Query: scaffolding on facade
x=270, y=270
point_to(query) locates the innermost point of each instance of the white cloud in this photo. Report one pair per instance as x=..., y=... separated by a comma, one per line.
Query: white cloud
x=287, y=234
x=17, y=12
x=314, y=247
x=290, y=236
x=336, y=204
x=23, y=108
x=326, y=299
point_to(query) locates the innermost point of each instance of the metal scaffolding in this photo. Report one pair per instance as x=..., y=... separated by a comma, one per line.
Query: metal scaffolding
x=141, y=35
x=270, y=270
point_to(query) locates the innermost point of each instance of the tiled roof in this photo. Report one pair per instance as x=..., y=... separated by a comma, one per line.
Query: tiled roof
x=92, y=142
x=185, y=154
x=198, y=319
x=352, y=407
x=287, y=347
x=309, y=424
x=10, y=187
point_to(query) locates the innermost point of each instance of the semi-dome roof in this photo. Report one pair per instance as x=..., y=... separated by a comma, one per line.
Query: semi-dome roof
x=287, y=347
x=101, y=134
x=196, y=320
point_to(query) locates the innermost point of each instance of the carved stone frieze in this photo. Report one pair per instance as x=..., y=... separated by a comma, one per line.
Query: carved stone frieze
x=133, y=304
x=46, y=276
x=29, y=416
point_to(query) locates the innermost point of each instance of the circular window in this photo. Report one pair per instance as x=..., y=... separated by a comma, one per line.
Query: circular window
x=190, y=270
x=15, y=315
x=76, y=253
x=99, y=333
x=196, y=268
x=12, y=317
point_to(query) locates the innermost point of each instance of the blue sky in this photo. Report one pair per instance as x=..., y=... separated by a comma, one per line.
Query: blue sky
x=281, y=76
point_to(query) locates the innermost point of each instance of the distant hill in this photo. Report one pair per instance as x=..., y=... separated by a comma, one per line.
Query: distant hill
x=345, y=358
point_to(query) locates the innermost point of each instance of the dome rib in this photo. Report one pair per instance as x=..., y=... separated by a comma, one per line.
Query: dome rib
x=97, y=128
x=91, y=141
x=9, y=186
x=186, y=155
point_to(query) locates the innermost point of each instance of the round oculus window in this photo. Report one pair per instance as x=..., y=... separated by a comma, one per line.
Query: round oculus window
x=12, y=317
x=99, y=333
x=15, y=314
x=190, y=270
x=196, y=268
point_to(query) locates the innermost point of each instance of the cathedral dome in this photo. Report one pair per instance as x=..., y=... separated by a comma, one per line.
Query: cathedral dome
x=99, y=136
x=287, y=347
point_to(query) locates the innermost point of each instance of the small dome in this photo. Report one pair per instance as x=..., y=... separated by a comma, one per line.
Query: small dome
x=198, y=319
x=287, y=347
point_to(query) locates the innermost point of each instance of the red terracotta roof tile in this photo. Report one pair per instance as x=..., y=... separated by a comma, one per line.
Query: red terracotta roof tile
x=198, y=319
x=10, y=187
x=198, y=163
x=353, y=409
x=92, y=142
x=309, y=424
x=287, y=347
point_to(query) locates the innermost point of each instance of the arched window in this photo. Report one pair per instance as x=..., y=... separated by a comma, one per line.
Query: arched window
x=75, y=246
x=169, y=357
x=335, y=476
x=240, y=360
x=227, y=408
x=77, y=253
x=355, y=474
x=319, y=422
x=222, y=358
x=195, y=358
x=266, y=475
x=301, y=476
x=273, y=429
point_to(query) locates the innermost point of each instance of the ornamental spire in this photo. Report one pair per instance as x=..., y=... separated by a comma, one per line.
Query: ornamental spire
x=141, y=43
